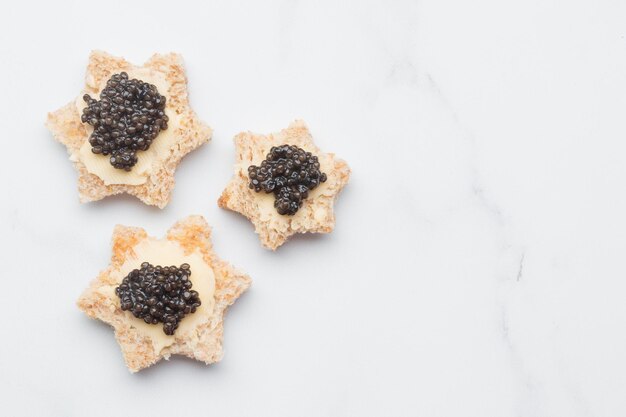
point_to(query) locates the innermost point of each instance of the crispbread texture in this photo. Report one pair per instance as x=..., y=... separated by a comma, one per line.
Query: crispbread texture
x=192, y=233
x=66, y=127
x=316, y=214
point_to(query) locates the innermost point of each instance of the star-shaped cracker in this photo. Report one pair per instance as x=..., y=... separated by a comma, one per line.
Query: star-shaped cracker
x=316, y=214
x=152, y=179
x=199, y=335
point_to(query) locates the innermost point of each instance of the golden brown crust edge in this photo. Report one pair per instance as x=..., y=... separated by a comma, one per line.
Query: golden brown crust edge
x=316, y=214
x=192, y=233
x=67, y=128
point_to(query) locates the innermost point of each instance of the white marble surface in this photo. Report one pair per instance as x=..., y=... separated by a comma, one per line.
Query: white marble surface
x=477, y=265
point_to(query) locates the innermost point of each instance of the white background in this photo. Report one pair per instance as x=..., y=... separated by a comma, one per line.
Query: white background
x=477, y=266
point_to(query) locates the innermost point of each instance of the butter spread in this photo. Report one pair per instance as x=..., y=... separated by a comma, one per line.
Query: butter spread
x=265, y=202
x=166, y=253
x=159, y=149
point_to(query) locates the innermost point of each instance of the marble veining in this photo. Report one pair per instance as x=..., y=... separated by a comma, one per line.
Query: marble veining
x=476, y=266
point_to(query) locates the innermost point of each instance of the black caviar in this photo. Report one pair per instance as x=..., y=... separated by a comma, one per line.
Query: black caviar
x=159, y=294
x=127, y=118
x=290, y=173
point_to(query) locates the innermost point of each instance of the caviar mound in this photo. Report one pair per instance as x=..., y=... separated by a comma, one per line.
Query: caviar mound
x=127, y=118
x=159, y=294
x=289, y=172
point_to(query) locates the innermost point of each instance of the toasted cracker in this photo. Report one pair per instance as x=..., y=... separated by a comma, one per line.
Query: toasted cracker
x=192, y=233
x=316, y=214
x=66, y=127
